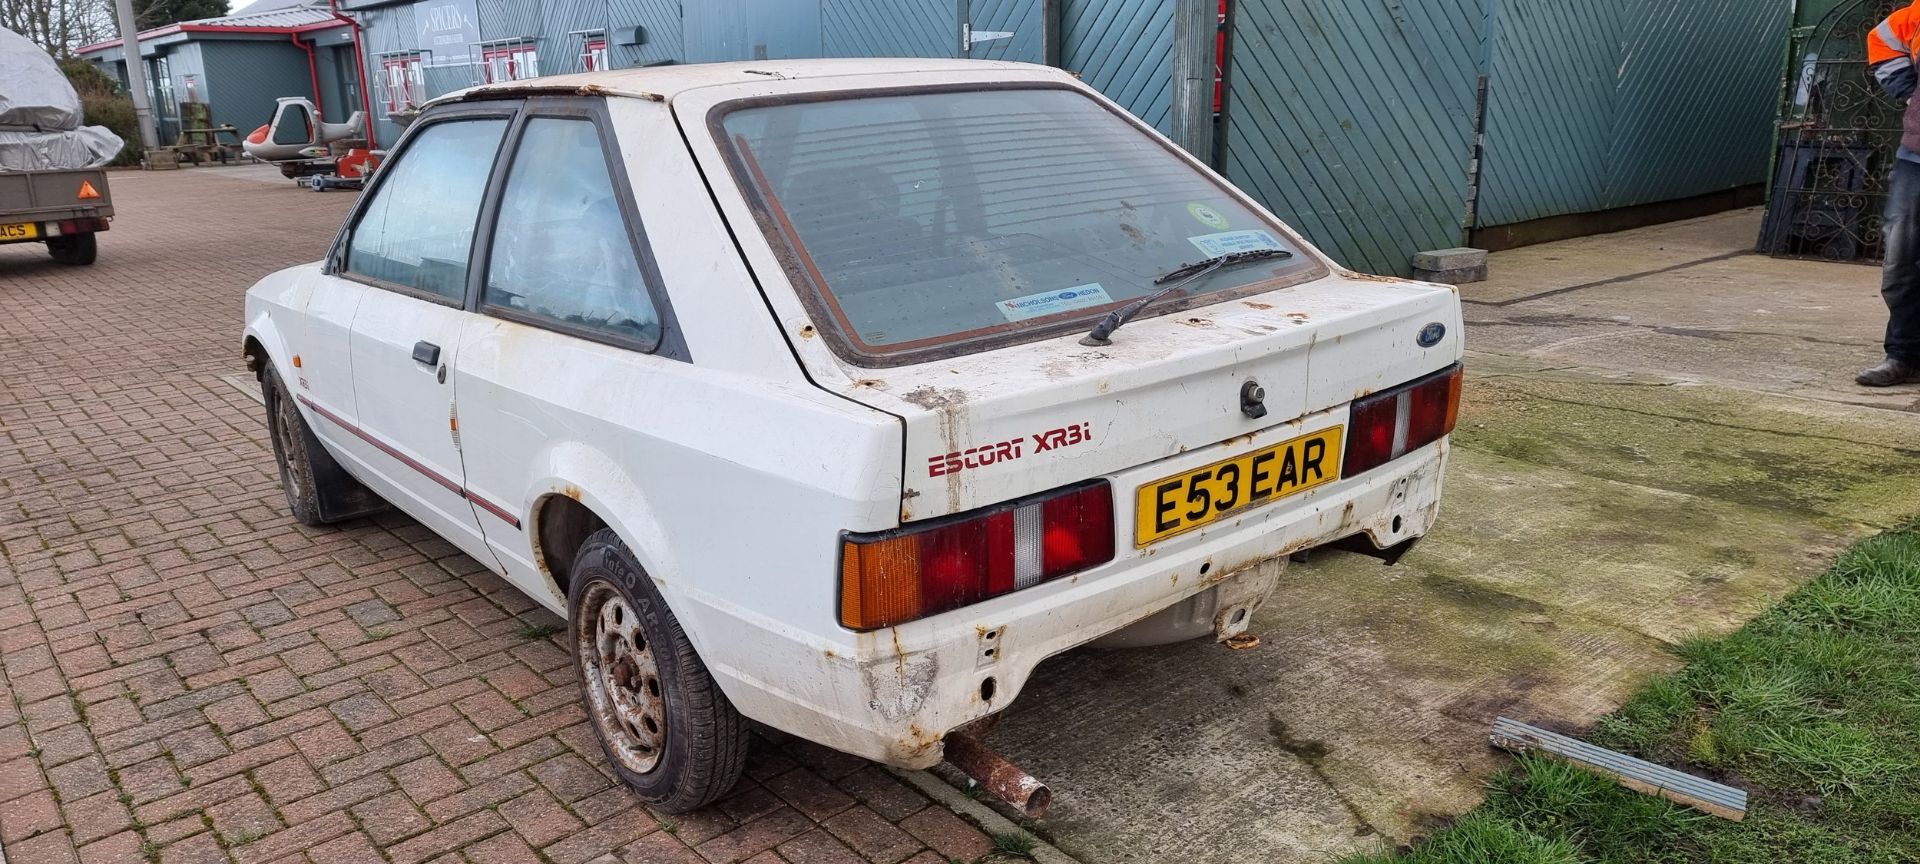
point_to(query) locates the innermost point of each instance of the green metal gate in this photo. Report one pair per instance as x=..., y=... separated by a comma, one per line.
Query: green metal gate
x=1838, y=135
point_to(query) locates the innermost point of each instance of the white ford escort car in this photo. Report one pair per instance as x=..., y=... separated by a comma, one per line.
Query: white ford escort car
x=836, y=395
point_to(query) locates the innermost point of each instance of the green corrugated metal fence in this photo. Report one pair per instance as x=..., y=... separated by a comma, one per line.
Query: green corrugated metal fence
x=1354, y=118
x=1125, y=49
x=1597, y=106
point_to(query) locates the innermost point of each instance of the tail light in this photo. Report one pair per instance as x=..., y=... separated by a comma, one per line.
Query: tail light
x=81, y=226
x=898, y=576
x=1389, y=425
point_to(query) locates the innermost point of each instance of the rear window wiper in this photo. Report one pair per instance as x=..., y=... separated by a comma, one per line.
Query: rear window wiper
x=1187, y=274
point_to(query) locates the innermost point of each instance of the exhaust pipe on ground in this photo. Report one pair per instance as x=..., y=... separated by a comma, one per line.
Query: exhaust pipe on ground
x=994, y=773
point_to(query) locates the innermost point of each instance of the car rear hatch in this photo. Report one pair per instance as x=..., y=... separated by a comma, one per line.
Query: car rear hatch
x=989, y=427
x=946, y=238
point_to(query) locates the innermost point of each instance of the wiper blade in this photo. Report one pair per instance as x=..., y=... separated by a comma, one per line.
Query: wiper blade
x=1222, y=261
x=1191, y=272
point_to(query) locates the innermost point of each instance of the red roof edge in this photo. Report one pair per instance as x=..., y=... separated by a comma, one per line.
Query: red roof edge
x=171, y=29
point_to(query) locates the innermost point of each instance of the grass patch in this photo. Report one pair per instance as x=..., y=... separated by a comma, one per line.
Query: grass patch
x=1013, y=844
x=531, y=631
x=1814, y=708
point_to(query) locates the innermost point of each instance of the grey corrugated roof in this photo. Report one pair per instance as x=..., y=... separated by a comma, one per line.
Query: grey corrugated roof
x=267, y=6
x=278, y=15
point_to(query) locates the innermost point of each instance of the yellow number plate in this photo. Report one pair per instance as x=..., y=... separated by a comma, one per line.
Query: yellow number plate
x=1200, y=497
x=24, y=231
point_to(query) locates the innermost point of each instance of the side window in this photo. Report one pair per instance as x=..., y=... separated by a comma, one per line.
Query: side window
x=418, y=229
x=562, y=250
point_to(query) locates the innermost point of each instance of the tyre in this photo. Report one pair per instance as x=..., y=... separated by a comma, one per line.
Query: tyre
x=75, y=249
x=319, y=491
x=665, y=726
x=293, y=448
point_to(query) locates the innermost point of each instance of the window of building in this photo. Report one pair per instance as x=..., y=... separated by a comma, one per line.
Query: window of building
x=417, y=232
x=403, y=81
x=592, y=56
x=509, y=60
x=566, y=255
x=162, y=82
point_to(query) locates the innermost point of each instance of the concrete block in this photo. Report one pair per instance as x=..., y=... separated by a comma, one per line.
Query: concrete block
x=1441, y=260
x=1456, y=276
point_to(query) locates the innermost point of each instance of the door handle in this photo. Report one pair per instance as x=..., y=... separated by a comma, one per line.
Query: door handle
x=426, y=353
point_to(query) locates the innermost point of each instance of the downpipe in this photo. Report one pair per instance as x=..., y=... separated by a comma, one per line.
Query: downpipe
x=993, y=772
x=1361, y=544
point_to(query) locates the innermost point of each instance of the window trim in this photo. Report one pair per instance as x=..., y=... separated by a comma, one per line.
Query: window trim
x=336, y=261
x=823, y=306
x=670, y=343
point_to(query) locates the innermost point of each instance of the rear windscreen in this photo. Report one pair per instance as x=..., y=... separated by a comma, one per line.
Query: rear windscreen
x=930, y=222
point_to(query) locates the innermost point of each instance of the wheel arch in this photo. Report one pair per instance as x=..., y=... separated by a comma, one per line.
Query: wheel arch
x=565, y=509
x=557, y=527
x=255, y=355
x=566, y=512
x=263, y=344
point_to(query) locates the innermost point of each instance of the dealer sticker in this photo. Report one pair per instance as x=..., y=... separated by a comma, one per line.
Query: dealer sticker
x=1054, y=302
x=1229, y=242
x=1206, y=216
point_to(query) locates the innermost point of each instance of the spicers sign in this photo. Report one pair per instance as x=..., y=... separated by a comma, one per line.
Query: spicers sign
x=448, y=30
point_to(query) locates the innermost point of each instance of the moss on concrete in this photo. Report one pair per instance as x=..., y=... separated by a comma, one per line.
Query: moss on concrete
x=1705, y=441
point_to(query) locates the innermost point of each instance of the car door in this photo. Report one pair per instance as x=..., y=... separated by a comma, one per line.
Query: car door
x=572, y=329
x=411, y=245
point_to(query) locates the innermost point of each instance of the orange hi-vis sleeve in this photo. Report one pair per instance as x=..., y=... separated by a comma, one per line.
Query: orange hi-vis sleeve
x=1895, y=38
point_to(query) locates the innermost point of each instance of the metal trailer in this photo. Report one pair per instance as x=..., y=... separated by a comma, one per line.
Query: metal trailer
x=61, y=208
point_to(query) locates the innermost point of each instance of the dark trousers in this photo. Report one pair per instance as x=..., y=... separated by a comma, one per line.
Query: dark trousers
x=1900, y=277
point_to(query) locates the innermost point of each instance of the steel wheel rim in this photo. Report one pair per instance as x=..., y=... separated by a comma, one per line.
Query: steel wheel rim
x=622, y=678
x=289, y=420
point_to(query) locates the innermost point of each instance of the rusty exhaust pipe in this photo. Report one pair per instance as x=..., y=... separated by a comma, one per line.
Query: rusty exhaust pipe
x=994, y=773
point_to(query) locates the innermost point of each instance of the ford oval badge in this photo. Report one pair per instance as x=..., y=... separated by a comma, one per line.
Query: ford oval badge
x=1431, y=334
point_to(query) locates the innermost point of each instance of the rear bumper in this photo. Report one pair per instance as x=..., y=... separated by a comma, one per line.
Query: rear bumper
x=895, y=693
x=51, y=227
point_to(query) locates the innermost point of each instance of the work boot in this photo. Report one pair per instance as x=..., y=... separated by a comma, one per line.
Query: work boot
x=1888, y=374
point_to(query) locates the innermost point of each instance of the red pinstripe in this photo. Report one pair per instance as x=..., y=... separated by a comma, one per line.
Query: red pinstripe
x=501, y=513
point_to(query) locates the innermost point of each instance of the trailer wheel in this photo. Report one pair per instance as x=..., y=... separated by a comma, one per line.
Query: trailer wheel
x=668, y=731
x=75, y=249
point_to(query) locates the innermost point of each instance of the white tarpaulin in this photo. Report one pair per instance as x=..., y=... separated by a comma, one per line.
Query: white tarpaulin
x=40, y=114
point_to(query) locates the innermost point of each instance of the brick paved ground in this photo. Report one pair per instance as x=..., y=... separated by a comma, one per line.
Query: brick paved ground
x=192, y=677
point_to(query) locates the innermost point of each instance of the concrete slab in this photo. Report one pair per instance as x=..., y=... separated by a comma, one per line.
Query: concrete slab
x=1618, y=486
x=1690, y=300
x=1534, y=270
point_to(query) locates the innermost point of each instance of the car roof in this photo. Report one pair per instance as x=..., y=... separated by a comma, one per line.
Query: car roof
x=662, y=83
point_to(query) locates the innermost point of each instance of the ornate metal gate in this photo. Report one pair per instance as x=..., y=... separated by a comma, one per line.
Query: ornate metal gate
x=1838, y=135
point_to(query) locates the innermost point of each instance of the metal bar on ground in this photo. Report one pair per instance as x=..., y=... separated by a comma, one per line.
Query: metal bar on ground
x=1636, y=774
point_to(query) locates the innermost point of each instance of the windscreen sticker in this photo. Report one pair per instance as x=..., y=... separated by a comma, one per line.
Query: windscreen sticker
x=1207, y=216
x=1229, y=242
x=1053, y=302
